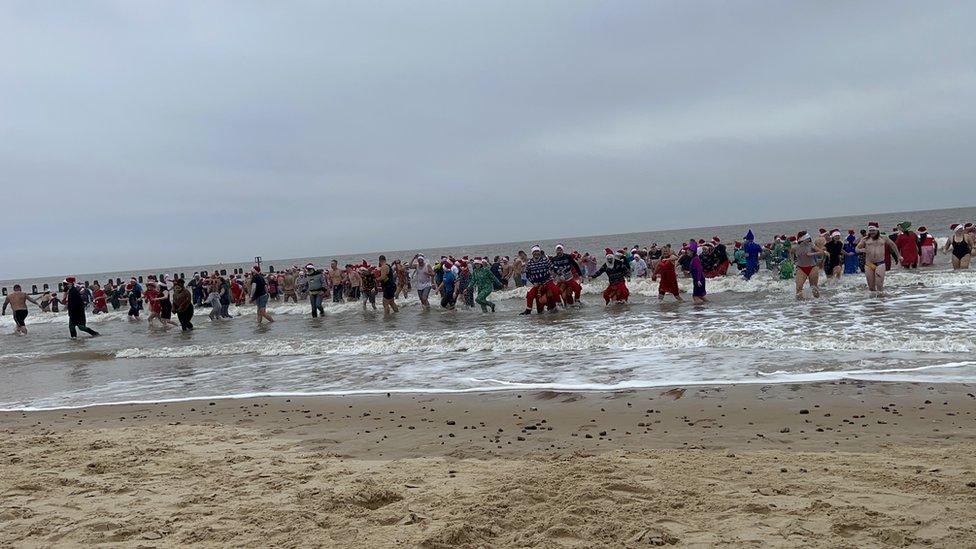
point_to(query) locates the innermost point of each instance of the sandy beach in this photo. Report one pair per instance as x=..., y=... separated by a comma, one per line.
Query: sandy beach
x=840, y=464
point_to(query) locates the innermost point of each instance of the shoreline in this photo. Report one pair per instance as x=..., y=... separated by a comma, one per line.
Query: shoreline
x=486, y=391
x=840, y=464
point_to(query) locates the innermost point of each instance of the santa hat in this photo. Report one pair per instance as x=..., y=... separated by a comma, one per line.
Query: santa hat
x=309, y=266
x=69, y=280
x=822, y=230
x=257, y=268
x=716, y=240
x=749, y=236
x=874, y=226
x=536, y=248
x=559, y=246
x=923, y=229
x=701, y=241
x=835, y=233
x=968, y=225
x=956, y=227
x=738, y=244
x=792, y=239
x=851, y=231
x=802, y=235
x=448, y=265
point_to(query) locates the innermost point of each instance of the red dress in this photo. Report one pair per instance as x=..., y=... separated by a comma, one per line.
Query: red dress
x=100, y=303
x=907, y=248
x=669, y=278
x=150, y=297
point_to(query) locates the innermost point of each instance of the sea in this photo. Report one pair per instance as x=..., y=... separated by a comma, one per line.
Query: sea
x=755, y=331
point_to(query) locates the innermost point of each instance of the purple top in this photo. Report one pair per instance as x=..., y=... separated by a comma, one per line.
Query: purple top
x=697, y=276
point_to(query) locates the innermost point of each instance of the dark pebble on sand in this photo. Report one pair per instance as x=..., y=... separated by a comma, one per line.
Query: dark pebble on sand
x=782, y=469
x=785, y=430
x=971, y=484
x=589, y=435
x=450, y=422
x=603, y=433
x=804, y=411
x=520, y=439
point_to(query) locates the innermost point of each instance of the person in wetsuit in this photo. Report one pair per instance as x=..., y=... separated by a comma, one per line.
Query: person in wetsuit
x=76, y=309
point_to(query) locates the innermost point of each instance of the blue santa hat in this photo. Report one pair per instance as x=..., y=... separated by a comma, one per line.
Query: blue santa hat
x=749, y=236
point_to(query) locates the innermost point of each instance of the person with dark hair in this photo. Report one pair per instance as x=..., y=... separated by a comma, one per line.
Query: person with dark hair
x=259, y=294
x=134, y=295
x=183, y=304
x=315, y=280
x=76, y=309
x=388, y=285
x=876, y=248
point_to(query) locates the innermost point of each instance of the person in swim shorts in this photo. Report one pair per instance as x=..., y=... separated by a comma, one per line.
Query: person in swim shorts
x=875, y=247
x=17, y=300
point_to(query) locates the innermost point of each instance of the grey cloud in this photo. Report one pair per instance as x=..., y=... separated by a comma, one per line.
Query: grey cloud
x=290, y=129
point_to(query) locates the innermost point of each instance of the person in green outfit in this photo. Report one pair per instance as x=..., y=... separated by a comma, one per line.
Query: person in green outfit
x=786, y=264
x=484, y=282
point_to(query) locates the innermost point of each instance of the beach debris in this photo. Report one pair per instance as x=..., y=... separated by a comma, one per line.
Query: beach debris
x=675, y=393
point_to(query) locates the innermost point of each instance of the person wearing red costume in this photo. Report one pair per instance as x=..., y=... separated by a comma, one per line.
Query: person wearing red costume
x=567, y=270
x=669, y=277
x=544, y=292
x=616, y=270
x=907, y=243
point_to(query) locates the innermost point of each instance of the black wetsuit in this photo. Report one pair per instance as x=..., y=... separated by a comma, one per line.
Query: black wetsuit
x=76, y=313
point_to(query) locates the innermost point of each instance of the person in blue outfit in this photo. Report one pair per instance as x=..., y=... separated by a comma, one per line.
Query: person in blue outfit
x=753, y=253
x=851, y=260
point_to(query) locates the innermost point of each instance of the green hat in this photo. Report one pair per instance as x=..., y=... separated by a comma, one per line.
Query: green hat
x=905, y=225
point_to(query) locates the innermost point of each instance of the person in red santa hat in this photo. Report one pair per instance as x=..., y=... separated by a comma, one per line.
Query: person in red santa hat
x=567, y=270
x=927, y=247
x=721, y=256
x=544, y=293
x=805, y=258
x=616, y=270
x=958, y=246
x=876, y=248
x=666, y=271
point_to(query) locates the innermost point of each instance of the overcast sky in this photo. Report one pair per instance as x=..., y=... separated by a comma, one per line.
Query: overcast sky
x=141, y=134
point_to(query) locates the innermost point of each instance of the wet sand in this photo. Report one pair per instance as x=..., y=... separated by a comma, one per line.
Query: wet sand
x=828, y=464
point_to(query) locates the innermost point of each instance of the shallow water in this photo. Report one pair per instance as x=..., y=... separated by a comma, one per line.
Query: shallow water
x=751, y=332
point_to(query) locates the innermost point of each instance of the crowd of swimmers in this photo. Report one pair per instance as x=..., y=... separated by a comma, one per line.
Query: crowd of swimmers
x=554, y=280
